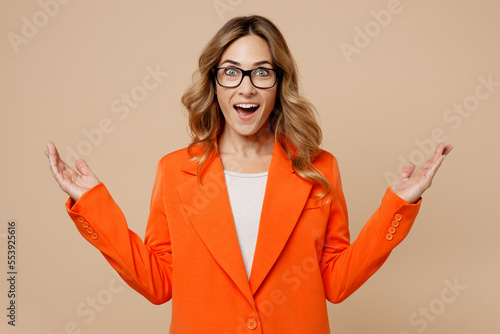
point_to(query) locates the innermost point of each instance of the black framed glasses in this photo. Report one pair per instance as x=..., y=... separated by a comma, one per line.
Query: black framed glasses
x=231, y=77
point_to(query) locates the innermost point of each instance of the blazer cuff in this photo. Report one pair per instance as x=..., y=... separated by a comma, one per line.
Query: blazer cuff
x=394, y=196
x=397, y=216
x=91, y=214
x=98, y=188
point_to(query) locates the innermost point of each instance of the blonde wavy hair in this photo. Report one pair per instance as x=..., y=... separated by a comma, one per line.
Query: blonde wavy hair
x=292, y=120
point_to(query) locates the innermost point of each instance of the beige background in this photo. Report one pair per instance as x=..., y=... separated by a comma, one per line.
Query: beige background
x=374, y=106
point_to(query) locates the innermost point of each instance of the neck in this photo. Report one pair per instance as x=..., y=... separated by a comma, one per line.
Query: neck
x=259, y=143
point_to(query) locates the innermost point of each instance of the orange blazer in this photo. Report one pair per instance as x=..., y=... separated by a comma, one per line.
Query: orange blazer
x=190, y=252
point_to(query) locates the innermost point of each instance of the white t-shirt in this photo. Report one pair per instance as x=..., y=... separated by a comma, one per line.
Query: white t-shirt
x=246, y=195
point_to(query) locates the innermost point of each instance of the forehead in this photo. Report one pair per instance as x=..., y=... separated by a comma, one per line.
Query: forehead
x=247, y=50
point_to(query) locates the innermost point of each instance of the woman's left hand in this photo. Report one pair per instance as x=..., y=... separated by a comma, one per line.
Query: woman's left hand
x=410, y=186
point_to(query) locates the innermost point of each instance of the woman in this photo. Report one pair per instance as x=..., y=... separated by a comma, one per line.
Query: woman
x=248, y=228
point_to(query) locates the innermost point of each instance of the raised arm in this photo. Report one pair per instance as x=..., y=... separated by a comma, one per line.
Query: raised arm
x=345, y=266
x=145, y=266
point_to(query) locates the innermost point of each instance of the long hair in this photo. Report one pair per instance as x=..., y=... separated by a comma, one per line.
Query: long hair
x=292, y=120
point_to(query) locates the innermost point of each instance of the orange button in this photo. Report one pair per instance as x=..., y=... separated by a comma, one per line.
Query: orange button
x=81, y=219
x=90, y=229
x=392, y=230
x=395, y=223
x=94, y=236
x=389, y=236
x=85, y=224
x=251, y=323
x=398, y=217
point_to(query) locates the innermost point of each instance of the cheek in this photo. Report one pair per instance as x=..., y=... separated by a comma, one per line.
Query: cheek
x=222, y=100
x=271, y=99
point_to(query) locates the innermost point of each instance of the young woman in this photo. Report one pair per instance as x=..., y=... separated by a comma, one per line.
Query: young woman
x=248, y=229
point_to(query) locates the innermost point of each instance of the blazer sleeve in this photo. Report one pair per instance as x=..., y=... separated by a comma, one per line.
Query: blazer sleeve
x=345, y=266
x=145, y=266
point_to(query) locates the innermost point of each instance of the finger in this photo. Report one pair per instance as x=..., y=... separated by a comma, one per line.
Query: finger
x=435, y=157
x=447, y=149
x=69, y=173
x=53, y=151
x=51, y=148
x=57, y=174
x=431, y=171
x=55, y=158
x=83, y=168
x=408, y=169
x=60, y=170
x=440, y=148
x=52, y=155
x=439, y=160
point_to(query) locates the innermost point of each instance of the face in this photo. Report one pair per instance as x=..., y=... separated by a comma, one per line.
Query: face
x=248, y=52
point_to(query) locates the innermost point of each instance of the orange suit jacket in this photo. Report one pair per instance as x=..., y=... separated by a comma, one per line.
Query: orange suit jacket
x=190, y=252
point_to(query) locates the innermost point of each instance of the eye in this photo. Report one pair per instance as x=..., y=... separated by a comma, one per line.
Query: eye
x=262, y=72
x=230, y=71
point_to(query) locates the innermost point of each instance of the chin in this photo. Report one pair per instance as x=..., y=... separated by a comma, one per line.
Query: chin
x=245, y=123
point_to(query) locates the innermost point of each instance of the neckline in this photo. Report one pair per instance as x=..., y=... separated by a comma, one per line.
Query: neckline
x=245, y=174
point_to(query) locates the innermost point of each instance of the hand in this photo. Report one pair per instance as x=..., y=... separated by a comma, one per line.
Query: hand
x=410, y=187
x=70, y=181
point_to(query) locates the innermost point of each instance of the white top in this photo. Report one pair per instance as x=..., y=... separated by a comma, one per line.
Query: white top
x=246, y=195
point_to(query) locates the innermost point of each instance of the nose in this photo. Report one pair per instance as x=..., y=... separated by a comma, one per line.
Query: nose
x=246, y=87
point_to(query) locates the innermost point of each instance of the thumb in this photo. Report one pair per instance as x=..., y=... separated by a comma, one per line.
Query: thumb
x=82, y=167
x=408, y=169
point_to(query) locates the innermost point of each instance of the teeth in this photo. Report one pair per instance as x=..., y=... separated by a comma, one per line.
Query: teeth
x=246, y=105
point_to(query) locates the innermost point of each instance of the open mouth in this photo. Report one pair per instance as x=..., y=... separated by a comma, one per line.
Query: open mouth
x=246, y=109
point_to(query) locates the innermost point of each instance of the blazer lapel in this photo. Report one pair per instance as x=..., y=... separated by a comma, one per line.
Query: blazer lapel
x=209, y=211
x=285, y=197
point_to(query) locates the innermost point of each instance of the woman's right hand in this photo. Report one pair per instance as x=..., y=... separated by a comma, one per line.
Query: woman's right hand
x=71, y=182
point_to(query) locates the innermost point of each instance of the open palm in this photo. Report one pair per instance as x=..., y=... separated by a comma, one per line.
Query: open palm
x=410, y=186
x=74, y=183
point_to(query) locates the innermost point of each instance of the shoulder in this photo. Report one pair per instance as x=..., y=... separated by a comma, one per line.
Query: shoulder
x=327, y=164
x=174, y=167
x=325, y=159
x=176, y=160
x=180, y=155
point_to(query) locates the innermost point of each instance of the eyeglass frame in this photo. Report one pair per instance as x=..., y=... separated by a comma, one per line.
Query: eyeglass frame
x=244, y=74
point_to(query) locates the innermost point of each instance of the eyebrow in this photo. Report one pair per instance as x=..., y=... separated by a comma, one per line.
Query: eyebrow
x=262, y=62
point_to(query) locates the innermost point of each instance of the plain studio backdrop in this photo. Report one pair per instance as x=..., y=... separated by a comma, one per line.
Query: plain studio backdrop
x=390, y=79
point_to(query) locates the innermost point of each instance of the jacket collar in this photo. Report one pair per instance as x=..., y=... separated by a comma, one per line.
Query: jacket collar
x=278, y=153
x=209, y=211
